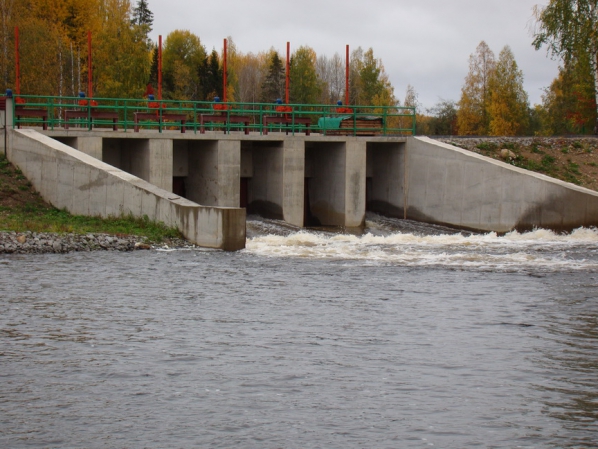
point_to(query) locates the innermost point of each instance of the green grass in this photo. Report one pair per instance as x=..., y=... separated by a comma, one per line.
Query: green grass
x=487, y=146
x=46, y=219
x=37, y=216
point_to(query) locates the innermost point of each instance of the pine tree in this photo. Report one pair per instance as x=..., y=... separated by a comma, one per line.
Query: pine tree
x=274, y=82
x=211, y=76
x=142, y=15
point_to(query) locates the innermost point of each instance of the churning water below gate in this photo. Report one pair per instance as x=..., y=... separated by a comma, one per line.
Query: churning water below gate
x=408, y=336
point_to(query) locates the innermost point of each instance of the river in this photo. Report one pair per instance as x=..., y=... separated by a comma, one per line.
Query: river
x=406, y=336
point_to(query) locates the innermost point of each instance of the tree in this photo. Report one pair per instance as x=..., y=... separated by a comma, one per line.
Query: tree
x=305, y=88
x=142, y=15
x=144, y=19
x=569, y=28
x=443, y=120
x=211, y=76
x=508, y=106
x=472, y=117
x=569, y=103
x=370, y=77
x=121, y=56
x=183, y=58
x=274, y=83
x=251, y=74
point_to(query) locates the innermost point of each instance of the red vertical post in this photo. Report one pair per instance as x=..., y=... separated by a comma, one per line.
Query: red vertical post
x=347, y=77
x=224, y=73
x=89, y=66
x=17, y=62
x=288, y=74
x=159, y=67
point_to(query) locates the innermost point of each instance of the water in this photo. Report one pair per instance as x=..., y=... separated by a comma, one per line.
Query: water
x=410, y=336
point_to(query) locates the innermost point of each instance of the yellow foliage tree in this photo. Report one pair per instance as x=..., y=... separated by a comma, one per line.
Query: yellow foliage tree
x=472, y=116
x=508, y=106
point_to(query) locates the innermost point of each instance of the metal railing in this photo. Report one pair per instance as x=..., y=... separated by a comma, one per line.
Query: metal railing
x=325, y=119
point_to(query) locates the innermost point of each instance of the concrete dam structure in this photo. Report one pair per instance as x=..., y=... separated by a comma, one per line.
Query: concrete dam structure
x=204, y=184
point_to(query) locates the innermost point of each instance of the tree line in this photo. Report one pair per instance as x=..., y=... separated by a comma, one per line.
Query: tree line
x=53, y=59
x=493, y=101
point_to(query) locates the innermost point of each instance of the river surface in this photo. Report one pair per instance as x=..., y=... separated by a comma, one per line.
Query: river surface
x=407, y=336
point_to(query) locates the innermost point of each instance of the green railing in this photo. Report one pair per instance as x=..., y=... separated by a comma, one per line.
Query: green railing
x=166, y=114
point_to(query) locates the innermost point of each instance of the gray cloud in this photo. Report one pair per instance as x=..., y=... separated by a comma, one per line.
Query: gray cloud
x=426, y=44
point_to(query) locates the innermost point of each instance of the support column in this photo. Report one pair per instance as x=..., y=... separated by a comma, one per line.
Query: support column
x=160, y=163
x=293, y=181
x=91, y=146
x=355, y=173
x=229, y=173
x=214, y=173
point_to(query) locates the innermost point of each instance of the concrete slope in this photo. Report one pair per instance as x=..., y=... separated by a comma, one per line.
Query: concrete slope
x=83, y=185
x=448, y=185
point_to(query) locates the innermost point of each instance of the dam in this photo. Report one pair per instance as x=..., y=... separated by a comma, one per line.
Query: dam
x=205, y=182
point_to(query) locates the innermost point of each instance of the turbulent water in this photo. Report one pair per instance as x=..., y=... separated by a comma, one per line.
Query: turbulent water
x=405, y=336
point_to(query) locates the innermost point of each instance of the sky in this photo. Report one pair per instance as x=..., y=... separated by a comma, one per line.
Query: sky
x=424, y=43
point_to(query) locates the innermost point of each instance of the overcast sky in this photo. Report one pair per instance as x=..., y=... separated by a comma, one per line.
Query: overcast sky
x=425, y=43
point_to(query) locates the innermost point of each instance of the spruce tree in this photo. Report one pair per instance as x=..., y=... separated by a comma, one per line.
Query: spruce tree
x=274, y=83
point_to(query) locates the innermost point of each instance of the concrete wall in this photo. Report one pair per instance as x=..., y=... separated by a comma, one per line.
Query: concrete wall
x=70, y=179
x=448, y=185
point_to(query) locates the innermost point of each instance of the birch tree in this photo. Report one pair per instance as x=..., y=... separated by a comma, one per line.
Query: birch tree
x=569, y=29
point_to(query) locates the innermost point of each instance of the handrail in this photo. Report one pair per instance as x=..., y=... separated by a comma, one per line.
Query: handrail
x=325, y=119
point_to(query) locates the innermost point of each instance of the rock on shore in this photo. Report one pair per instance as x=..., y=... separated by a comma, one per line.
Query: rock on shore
x=39, y=243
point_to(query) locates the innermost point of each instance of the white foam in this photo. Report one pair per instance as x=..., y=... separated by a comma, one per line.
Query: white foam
x=538, y=248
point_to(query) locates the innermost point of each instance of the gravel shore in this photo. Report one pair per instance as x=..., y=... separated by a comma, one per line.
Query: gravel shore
x=40, y=243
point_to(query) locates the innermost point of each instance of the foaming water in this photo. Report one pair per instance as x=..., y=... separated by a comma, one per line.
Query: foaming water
x=402, y=242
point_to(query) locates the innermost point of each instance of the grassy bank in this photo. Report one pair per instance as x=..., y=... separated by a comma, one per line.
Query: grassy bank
x=573, y=160
x=22, y=209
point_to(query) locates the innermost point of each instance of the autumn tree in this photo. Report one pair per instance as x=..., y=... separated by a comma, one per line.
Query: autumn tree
x=569, y=28
x=370, y=84
x=569, y=103
x=182, y=58
x=507, y=107
x=472, y=118
x=274, y=83
x=7, y=10
x=305, y=87
x=250, y=77
x=121, y=56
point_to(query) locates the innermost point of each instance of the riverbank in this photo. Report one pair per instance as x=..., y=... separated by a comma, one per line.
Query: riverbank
x=30, y=225
x=42, y=242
